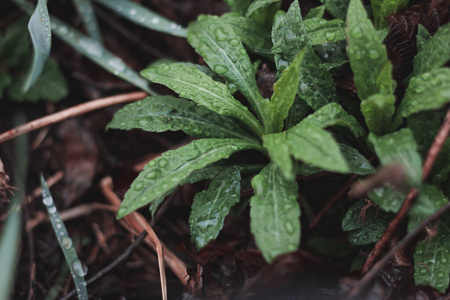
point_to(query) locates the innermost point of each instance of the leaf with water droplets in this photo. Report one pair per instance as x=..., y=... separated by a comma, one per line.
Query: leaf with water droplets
x=210, y=207
x=98, y=54
x=321, y=31
x=274, y=213
x=337, y=8
x=164, y=173
x=378, y=110
x=294, y=35
x=435, y=52
x=263, y=11
x=277, y=146
x=163, y=113
x=316, y=12
x=250, y=32
x=399, y=147
x=383, y=8
x=86, y=11
x=224, y=53
x=314, y=145
x=427, y=91
x=334, y=115
x=65, y=242
x=430, y=199
x=144, y=17
x=284, y=91
x=432, y=258
x=191, y=83
x=367, y=54
x=41, y=37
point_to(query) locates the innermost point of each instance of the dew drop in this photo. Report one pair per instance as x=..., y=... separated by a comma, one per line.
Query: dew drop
x=139, y=186
x=52, y=209
x=423, y=271
x=154, y=20
x=152, y=174
x=373, y=54
x=47, y=201
x=440, y=275
x=356, y=33
x=419, y=89
x=122, y=211
x=234, y=42
x=330, y=36
x=289, y=227
x=78, y=268
x=358, y=55
x=117, y=64
x=133, y=12
x=166, y=68
x=63, y=30
x=66, y=242
x=220, y=34
x=162, y=162
x=220, y=69
x=234, y=147
x=444, y=260
x=242, y=51
x=91, y=46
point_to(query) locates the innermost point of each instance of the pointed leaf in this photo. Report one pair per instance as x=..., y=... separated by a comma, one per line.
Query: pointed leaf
x=367, y=54
x=432, y=260
x=337, y=8
x=211, y=206
x=321, y=31
x=98, y=54
x=164, y=173
x=315, y=12
x=284, y=92
x=277, y=146
x=313, y=145
x=434, y=53
x=258, y=5
x=86, y=11
x=274, y=213
x=383, y=8
x=378, y=110
x=294, y=32
x=41, y=37
x=225, y=54
x=163, y=113
x=427, y=91
x=195, y=85
x=427, y=203
x=399, y=147
x=144, y=17
x=333, y=114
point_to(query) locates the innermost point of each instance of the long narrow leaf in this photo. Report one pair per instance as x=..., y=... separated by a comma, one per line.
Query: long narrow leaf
x=86, y=11
x=211, y=206
x=274, y=213
x=144, y=17
x=65, y=242
x=191, y=83
x=164, y=173
x=39, y=28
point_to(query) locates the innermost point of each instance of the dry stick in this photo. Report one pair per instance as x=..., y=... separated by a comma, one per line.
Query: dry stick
x=374, y=272
x=129, y=223
x=69, y=113
x=112, y=265
x=332, y=201
x=393, y=225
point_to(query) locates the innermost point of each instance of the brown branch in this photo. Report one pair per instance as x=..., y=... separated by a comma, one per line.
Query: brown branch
x=70, y=113
x=404, y=209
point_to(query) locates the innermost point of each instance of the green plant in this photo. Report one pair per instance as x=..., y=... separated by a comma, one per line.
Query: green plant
x=303, y=129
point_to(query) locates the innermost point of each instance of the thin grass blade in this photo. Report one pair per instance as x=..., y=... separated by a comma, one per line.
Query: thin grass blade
x=86, y=11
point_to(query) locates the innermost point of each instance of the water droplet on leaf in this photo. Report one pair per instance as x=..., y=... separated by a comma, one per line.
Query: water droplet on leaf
x=220, y=69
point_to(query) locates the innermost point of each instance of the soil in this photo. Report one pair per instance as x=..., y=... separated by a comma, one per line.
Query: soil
x=230, y=267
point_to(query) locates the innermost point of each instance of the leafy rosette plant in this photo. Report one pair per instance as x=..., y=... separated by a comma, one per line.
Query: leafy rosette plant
x=304, y=128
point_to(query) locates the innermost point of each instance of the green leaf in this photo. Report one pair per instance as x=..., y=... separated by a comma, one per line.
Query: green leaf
x=263, y=11
x=399, y=147
x=14, y=44
x=164, y=173
x=387, y=198
x=315, y=12
x=297, y=112
x=333, y=55
x=337, y=8
x=294, y=32
x=274, y=213
x=321, y=31
x=384, y=8
x=367, y=54
x=258, y=5
x=238, y=6
x=277, y=146
x=51, y=85
x=210, y=207
x=434, y=53
x=431, y=260
x=249, y=31
x=285, y=90
x=313, y=145
x=378, y=110
x=277, y=33
x=144, y=17
x=427, y=91
x=422, y=38
x=163, y=113
x=41, y=37
x=225, y=54
x=98, y=54
x=357, y=163
x=427, y=203
x=333, y=114
x=195, y=85
x=86, y=11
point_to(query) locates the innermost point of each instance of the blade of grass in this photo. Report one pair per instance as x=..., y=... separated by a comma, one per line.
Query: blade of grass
x=76, y=268
x=144, y=17
x=86, y=11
